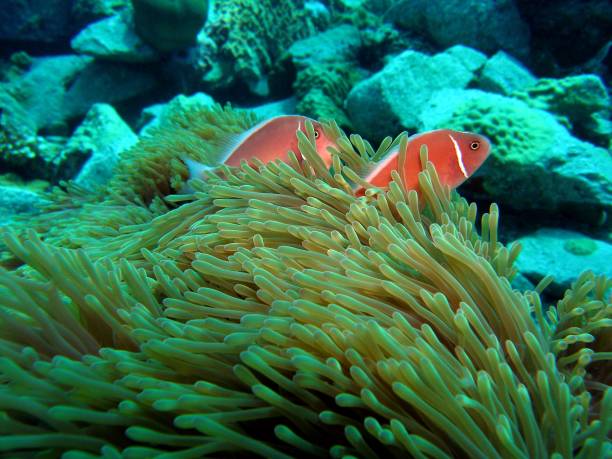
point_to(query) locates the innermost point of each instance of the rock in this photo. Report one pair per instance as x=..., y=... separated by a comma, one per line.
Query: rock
x=58, y=89
x=322, y=88
x=154, y=115
x=325, y=66
x=581, y=102
x=21, y=149
x=41, y=90
x=87, y=11
x=472, y=60
x=391, y=99
x=102, y=136
x=17, y=200
x=338, y=45
x=319, y=13
x=535, y=162
x=504, y=75
x=115, y=39
x=46, y=21
x=105, y=82
x=487, y=25
x=543, y=249
x=522, y=284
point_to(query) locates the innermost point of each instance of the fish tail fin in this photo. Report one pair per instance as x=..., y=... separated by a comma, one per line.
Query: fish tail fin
x=196, y=169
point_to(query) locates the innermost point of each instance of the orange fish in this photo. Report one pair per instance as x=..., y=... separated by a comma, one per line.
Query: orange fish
x=455, y=154
x=267, y=141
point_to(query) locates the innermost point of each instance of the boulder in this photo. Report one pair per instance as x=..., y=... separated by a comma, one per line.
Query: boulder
x=21, y=149
x=392, y=99
x=16, y=200
x=504, y=75
x=87, y=11
x=543, y=249
x=114, y=39
x=337, y=45
x=96, y=146
x=56, y=90
x=152, y=116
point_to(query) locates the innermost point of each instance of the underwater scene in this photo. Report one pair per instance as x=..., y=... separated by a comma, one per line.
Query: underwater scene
x=305, y=228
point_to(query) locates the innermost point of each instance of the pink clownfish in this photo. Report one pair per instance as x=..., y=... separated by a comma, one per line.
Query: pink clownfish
x=455, y=154
x=267, y=141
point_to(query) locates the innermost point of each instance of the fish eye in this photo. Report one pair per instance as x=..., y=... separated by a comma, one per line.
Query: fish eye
x=316, y=134
x=474, y=145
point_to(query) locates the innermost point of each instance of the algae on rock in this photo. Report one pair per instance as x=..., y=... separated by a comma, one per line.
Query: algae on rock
x=168, y=25
x=244, y=40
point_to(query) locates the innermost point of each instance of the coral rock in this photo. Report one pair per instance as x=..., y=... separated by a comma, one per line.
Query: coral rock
x=543, y=249
x=115, y=39
x=503, y=74
x=391, y=99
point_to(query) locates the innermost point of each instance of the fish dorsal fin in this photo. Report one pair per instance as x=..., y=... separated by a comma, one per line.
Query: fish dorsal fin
x=226, y=144
x=229, y=143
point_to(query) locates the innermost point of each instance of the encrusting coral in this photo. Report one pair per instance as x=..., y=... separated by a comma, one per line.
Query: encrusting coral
x=246, y=38
x=271, y=312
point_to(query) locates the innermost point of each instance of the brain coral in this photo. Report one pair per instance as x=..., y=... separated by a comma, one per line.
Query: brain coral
x=273, y=313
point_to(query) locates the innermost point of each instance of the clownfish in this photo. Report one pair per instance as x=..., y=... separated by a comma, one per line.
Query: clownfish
x=456, y=156
x=267, y=141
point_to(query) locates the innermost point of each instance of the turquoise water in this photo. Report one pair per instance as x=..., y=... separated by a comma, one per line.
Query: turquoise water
x=278, y=308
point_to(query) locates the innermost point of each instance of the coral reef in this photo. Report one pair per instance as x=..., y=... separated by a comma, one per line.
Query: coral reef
x=322, y=89
x=21, y=150
x=580, y=102
x=271, y=312
x=245, y=39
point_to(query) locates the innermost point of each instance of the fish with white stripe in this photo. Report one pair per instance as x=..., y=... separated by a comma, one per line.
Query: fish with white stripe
x=456, y=155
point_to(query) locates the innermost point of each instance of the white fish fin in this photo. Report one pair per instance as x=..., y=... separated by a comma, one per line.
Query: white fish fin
x=367, y=171
x=196, y=169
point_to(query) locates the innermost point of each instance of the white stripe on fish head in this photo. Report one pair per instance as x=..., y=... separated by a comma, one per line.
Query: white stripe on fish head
x=459, y=156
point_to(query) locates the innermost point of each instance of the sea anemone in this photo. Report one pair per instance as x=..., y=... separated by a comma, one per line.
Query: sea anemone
x=272, y=312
